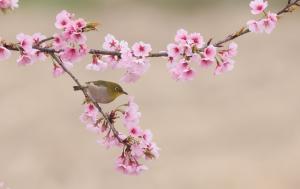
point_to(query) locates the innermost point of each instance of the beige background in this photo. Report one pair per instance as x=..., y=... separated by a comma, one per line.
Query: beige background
x=236, y=131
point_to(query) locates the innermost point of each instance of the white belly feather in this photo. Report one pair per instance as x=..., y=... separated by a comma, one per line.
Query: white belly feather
x=98, y=93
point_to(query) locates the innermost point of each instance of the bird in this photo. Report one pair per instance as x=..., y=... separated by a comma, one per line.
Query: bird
x=102, y=92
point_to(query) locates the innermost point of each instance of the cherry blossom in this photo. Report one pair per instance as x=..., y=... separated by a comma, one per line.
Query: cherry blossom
x=71, y=42
x=97, y=64
x=131, y=114
x=196, y=39
x=137, y=145
x=57, y=70
x=110, y=43
x=181, y=36
x=4, y=53
x=9, y=4
x=258, y=6
x=141, y=49
x=134, y=60
x=63, y=19
x=25, y=41
x=90, y=114
x=223, y=67
x=254, y=26
x=174, y=50
x=268, y=24
x=210, y=52
x=24, y=60
x=184, y=52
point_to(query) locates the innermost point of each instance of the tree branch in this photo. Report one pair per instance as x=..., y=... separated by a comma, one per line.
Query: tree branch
x=243, y=31
x=87, y=96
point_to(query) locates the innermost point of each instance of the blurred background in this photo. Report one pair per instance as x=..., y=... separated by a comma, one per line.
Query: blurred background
x=239, y=130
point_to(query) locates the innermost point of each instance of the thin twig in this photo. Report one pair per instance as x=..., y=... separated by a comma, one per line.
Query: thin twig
x=44, y=40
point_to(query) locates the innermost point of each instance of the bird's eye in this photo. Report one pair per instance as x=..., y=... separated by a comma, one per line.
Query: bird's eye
x=116, y=89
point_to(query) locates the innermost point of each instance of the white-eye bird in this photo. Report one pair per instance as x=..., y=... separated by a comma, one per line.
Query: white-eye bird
x=101, y=91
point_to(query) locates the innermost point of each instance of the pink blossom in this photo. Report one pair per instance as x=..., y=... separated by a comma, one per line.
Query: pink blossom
x=9, y=4
x=122, y=165
x=4, y=53
x=80, y=24
x=135, y=69
x=182, y=71
x=188, y=74
x=90, y=114
x=141, y=49
x=131, y=115
x=40, y=56
x=181, y=36
x=175, y=73
x=111, y=60
x=97, y=64
x=109, y=141
x=57, y=71
x=4, y=4
x=93, y=128
x=224, y=67
x=174, y=50
x=135, y=131
x=232, y=49
x=137, y=150
x=82, y=50
x=79, y=37
x=70, y=54
x=130, y=77
x=230, y=52
x=110, y=43
x=14, y=4
x=129, y=166
x=210, y=52
x=268, y=24
x=147, y=136
x=63, y=19
x=59, y=42
x=206, y=62
x=196, y=39
x=24, y=60
x=254, y=26
x=68, y=32
x=25, y=41
x=37, y=37
x=152, y=151
x=258, y=6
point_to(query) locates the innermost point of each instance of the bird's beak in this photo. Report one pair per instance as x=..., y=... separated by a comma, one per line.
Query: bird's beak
x=124, y=92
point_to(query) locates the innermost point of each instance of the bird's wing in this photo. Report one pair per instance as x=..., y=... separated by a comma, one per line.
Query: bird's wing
x=98, y=93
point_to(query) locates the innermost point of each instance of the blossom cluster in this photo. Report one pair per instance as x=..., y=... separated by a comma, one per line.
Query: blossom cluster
x=71, y=41
x=28, y=54
x=191, y=48
x=8, y=4
x=134, y=60
x=267, y=24
x=136, y=146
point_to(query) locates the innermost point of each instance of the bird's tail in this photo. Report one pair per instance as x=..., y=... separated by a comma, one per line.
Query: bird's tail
x=77, y=88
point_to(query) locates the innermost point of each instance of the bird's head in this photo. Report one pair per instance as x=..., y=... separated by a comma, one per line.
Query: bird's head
x=115, y=90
